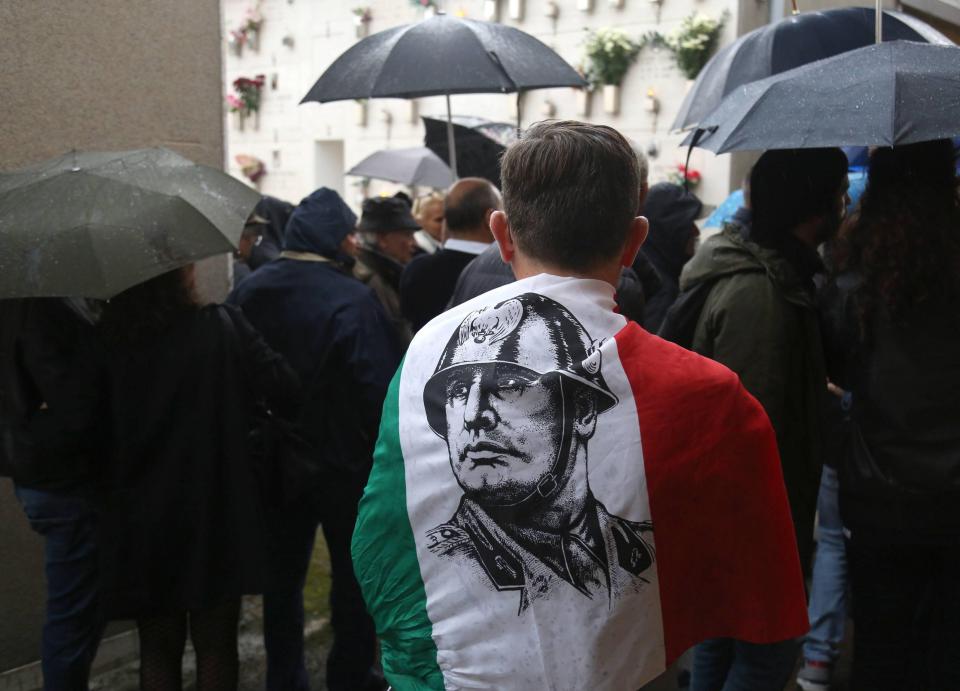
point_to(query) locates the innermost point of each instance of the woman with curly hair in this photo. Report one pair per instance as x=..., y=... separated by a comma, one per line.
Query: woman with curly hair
x=893, y=336
x=181, y=527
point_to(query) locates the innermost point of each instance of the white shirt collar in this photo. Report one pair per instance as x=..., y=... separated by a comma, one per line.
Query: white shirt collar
x=468, y=246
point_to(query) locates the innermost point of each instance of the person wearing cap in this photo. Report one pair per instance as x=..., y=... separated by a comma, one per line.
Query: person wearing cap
x=334, y=332
x=560, y=499
x=672, y=241
x=386, y=231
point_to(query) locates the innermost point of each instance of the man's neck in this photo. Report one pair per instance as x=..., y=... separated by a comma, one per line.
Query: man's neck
x=524, y=267
x=471, y=235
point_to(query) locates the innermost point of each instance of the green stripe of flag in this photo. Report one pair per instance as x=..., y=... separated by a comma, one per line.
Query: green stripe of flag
x=385, y=561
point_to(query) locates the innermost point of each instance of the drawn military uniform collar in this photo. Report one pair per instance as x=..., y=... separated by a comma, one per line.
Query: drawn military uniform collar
x=535, y=561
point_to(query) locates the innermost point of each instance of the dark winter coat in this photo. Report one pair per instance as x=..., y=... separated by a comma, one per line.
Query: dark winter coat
x=900, y=482
x=671, y=211
x=334, y=332
x=47, y=389
x=428, y=282
x=181, y=523
x=382, y=275
x=760, y=320
x=488, y=271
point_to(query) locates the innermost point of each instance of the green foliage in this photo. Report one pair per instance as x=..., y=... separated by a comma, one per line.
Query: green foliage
x=609, y=54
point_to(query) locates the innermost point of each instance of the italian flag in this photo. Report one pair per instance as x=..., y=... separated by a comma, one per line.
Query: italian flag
x=561, y=500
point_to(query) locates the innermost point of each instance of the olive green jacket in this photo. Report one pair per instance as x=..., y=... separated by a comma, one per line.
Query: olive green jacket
x=761, y=322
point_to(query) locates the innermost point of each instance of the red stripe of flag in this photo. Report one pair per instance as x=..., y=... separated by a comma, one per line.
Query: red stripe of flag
x=726, y=552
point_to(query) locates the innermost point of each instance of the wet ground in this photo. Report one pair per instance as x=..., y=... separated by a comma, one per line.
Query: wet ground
x=252, y=656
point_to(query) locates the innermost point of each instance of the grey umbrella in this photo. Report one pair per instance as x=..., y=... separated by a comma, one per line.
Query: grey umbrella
x=882, y=95
x=791, y=42
x=415, y=166
x=442, y=56
x=93, y=224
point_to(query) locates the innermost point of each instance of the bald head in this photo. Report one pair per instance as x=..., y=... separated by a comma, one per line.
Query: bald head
x=467, y=209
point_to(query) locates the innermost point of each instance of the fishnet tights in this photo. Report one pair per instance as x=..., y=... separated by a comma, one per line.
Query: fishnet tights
x=213, y=631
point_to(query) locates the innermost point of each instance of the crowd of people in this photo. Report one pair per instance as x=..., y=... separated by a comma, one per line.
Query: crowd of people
x=157, y=456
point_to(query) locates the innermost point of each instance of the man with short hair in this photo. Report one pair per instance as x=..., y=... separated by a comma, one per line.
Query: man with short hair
x=386, y=231
x=427, y=282
x=637, y=284
x=759, y=318
x=560, y=499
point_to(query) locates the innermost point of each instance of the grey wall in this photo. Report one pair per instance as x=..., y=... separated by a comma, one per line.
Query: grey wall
x=110, y=74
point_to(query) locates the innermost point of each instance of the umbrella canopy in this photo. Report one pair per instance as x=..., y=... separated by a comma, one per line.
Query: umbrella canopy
x=94, y=224
x=415, y=166
x=882, y=95
x=789, y=43
x=443, y=55
x=480, y=144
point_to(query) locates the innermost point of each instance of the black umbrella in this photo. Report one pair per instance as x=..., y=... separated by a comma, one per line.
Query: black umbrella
x=480, y=143
x=882, y=95
x=789, y=43
x=442, y=56
x=93, y=224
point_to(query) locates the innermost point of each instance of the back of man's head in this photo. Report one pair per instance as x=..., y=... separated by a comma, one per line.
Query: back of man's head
x=791, y=186
x=467, y=207
x=570, y=193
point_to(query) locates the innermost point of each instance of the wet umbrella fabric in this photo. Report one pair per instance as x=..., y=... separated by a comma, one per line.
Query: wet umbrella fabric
x=93, y=224
x=480, y=143
x=882, y=95
x=789, y=43
x=415, y=166
x=443, y=55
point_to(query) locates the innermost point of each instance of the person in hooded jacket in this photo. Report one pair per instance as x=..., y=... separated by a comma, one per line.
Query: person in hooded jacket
x=671, y=211
x=337, y=336
x=759, y=318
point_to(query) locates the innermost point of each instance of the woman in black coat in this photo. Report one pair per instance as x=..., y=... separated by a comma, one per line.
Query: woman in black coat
x=893, y=336
x=182, y=532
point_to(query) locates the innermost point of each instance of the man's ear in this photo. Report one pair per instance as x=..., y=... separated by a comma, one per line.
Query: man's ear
x=500, y=227
x=635, y=237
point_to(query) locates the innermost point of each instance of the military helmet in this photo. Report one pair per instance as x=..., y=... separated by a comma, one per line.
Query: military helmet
x=530, y=331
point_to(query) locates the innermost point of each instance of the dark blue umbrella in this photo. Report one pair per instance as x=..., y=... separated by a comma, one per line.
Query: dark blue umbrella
x=792, y=42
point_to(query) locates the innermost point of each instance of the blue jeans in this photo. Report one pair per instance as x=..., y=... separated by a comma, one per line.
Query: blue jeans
x=828, y=593
x=74, y=624
x=724, y=664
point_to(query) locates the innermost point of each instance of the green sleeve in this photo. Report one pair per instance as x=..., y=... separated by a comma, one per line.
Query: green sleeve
x=385, y=562
x=743, y=326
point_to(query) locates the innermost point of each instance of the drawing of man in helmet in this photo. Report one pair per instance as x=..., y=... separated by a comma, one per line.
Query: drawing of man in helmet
x=516, y=395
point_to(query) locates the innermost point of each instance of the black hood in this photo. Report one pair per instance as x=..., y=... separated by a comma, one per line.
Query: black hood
x=671, y=210
x=319, y=224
